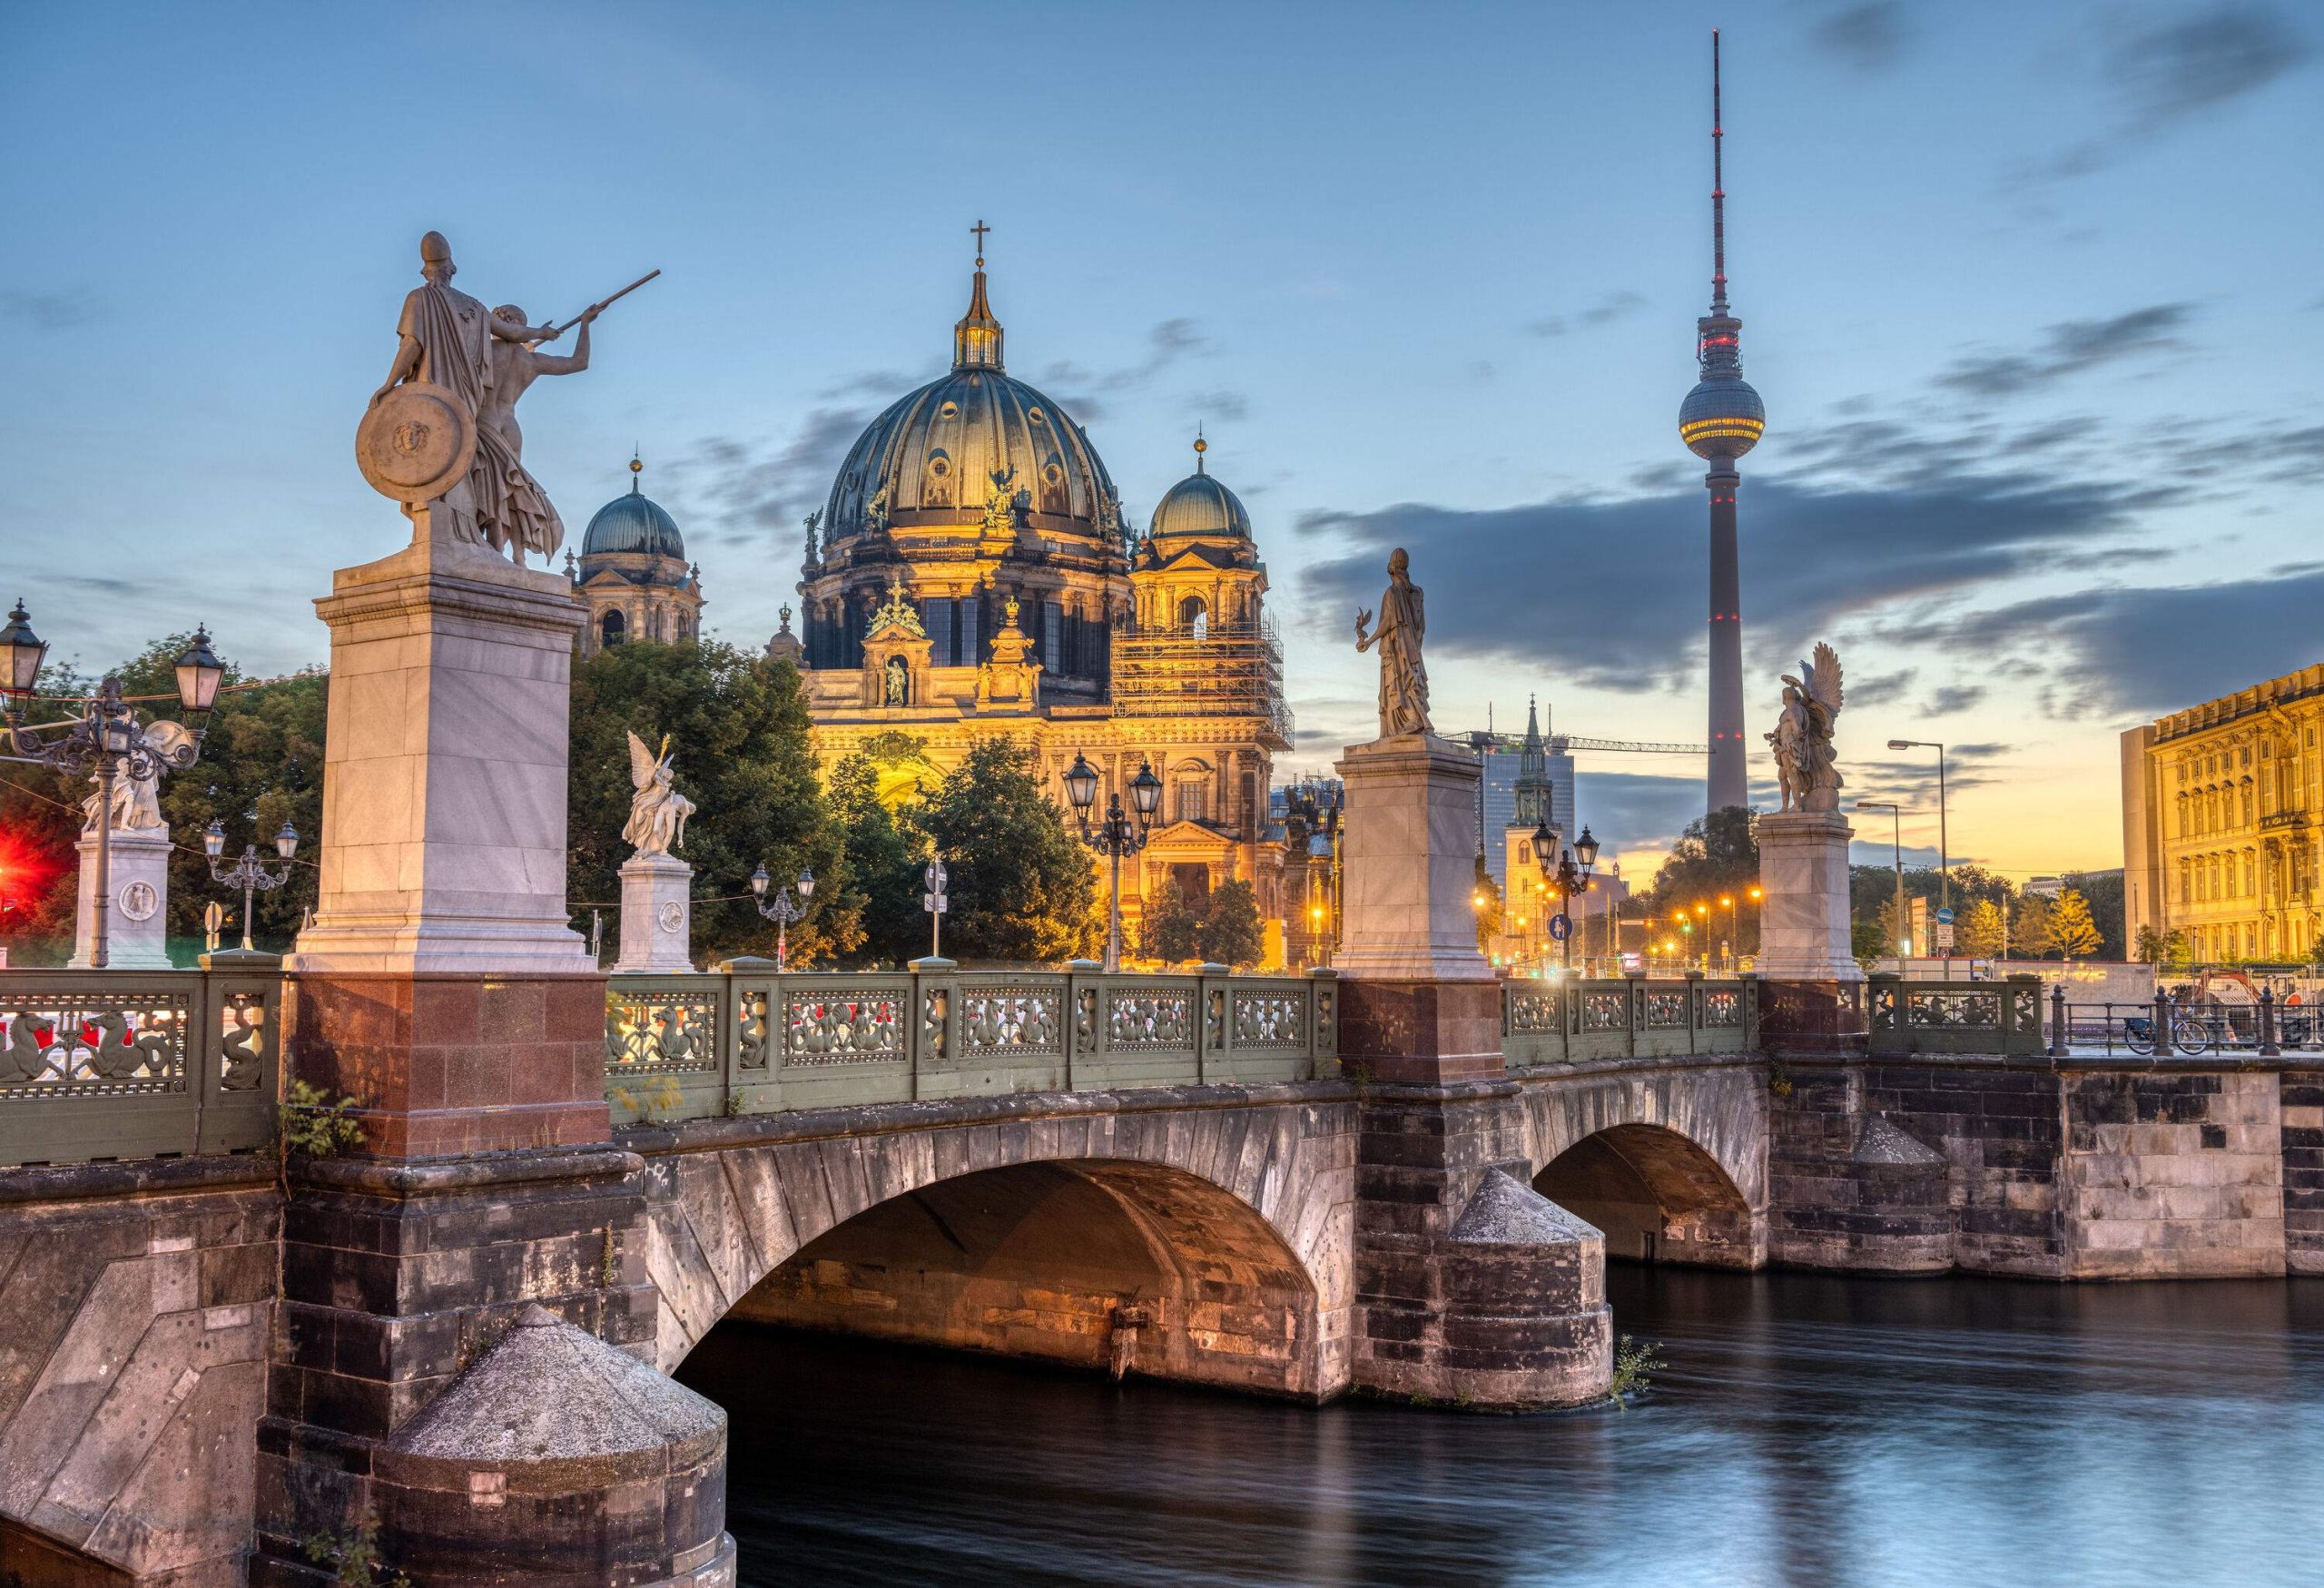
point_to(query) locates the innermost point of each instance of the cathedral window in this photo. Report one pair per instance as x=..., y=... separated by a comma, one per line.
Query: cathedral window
x=1194, y=617
x=1052, y=636
x=610, y=628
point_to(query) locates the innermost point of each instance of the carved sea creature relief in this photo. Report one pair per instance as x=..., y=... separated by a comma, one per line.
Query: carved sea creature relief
x=123, y=1047
x=24, y=1049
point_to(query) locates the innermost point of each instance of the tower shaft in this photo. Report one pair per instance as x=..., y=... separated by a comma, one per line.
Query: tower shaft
x=1727, y=772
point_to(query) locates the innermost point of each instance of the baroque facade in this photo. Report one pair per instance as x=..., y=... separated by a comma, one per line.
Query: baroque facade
x=2220, y=805
x=971, y=575
x=633, y=573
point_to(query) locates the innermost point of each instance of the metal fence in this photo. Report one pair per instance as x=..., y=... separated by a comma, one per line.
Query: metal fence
x=1568, y=1021
x=744, y=1040
x=2195, y=1027
x=1954, y=1017
x=120, y=1064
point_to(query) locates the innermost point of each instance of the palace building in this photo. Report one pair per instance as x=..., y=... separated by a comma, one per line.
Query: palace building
x=2220, y=805
x=972, y=574
x=633, y=573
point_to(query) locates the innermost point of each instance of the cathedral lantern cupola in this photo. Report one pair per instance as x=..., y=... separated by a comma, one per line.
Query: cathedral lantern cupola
x=633, y=576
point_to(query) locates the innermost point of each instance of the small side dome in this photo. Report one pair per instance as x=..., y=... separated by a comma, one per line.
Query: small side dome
x=633, y=523
x=1199, y=505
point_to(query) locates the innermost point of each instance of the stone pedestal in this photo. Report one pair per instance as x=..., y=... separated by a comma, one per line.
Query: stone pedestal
x=137, y=926
x=444, y=780
x=1804, y=920
x=657, y=913
x=1409, y=856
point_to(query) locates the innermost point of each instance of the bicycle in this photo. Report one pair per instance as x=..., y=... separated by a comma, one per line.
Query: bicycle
x=2189, y=1034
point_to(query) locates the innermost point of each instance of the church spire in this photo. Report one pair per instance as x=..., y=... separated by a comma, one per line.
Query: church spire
x=976, y=339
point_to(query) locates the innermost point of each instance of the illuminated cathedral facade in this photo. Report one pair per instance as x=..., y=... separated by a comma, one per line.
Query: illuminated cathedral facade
x=972, y=576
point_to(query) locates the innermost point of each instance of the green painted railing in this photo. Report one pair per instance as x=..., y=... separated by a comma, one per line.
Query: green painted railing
x=123, y=1064
x=1623, y=1017
x=1955, y=1017
x=744, y=1040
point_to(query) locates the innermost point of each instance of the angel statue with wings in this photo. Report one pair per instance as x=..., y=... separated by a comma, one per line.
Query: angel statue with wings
x=1802, y=740
x=657, y=812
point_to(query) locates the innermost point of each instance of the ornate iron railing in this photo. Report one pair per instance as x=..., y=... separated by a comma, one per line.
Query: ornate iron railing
x=123, y=1064
x=744, y=1040
x=1954, y=1017
x=1564, y=1021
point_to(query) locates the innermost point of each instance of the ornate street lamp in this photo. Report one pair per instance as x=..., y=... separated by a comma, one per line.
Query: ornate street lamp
x=105, y=742
x=1116, y=834
x=249, y=870
x=1568, y=877
x=937, y=905
x=782, y=910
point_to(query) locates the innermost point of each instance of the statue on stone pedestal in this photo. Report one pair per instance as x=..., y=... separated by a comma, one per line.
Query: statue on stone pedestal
x=528, y=522
x=1802, y=740
x=657, y=812
x=1403, y=678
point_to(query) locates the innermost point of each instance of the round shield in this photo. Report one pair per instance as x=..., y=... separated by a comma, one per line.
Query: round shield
x=415, y=443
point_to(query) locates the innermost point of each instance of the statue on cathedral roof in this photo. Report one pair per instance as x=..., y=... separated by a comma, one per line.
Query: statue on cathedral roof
x=897, y=613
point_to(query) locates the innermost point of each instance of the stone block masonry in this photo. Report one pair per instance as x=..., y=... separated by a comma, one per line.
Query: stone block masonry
x=2302, y=1114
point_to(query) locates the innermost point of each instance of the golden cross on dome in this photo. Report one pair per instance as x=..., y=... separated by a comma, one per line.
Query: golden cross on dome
x=979, y=229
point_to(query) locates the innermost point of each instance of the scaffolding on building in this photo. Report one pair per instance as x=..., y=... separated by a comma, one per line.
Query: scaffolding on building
x=1216, y=670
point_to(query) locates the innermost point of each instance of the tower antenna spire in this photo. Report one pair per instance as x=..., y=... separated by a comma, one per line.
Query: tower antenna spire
x=1717, y=191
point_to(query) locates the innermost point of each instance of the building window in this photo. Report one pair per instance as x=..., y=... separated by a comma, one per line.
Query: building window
x=1052, y=633
x=1194, y=617
x=937, y=612
x=1192, y=800
x=612, y=629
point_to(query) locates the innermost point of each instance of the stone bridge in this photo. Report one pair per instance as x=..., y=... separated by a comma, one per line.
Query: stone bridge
x=211, y=1361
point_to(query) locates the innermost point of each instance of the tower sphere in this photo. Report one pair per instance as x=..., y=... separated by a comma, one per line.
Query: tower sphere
x=1721, y=419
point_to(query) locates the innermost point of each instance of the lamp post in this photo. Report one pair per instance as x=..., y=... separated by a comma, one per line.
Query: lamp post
x=934, y=902
x=1944, y=855
x=1728, y=901
x=1567, y=880
x=781, y=910
x=1896, y=843
x=249, y=870
x=1756, y=895
x=1117, y=834
x=105, y=741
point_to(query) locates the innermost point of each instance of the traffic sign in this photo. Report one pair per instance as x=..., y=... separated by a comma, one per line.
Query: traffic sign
x=1943, y=937
x=1561, y=927
x=1945, y=917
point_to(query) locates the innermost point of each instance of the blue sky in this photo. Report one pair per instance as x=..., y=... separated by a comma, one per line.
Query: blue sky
x=2031, y=293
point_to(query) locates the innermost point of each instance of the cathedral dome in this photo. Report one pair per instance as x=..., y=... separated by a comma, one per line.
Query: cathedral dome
x=634, y=523
x=1199, y=505
x=936, y=456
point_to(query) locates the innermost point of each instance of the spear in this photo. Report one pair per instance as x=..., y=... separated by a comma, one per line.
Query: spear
x=558, y=330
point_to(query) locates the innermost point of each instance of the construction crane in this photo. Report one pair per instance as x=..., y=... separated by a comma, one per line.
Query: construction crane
x=1481, y=740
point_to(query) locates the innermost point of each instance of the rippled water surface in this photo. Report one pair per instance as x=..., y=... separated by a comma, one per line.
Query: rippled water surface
x=1806, y=1430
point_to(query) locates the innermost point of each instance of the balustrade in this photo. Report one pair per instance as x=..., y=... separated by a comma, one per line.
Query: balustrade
x=747, y=1039
x=1584, y=1019
x=123, y=1064
x=1955, y=1017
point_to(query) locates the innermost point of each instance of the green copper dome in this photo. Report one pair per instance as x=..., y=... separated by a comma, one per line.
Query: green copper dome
x=634, y=523
x=1199, y=505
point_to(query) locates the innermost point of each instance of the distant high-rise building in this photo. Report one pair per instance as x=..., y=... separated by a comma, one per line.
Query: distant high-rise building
x=1720, y=420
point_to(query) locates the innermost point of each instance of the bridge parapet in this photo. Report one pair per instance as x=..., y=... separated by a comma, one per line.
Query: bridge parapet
x=1916, y=1017
x=1626, y=1017
x=125, y=1064
x=746, y=1039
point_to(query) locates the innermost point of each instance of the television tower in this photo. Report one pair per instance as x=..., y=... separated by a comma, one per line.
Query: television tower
x=1720, y=420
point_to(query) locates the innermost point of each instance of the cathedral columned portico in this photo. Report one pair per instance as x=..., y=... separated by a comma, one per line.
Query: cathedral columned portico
x=972, y=574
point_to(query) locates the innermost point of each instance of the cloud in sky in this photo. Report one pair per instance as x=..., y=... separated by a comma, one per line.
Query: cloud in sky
x=1613, y=306
x=1169, y=343
x=1869, y=38
x=60, y=310
x=2070, y=348
x=748, y=495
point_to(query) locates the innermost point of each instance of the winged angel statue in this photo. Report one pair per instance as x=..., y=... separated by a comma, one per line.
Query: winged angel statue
x=657, y=812
x=1803, y=734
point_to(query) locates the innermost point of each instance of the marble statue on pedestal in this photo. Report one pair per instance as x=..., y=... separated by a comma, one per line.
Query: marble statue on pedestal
x=656, y=886
x=1804, y=848
x=1403, y=678
x=657, y=811
x=137, y=866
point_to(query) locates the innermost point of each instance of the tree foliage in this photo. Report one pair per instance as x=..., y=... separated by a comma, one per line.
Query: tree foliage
x=1224, y=928
x=1023, y=888
x=2073, y=933
x=1981, y=931
x=884, y=862
x=1718, y=854
x=738, y=725
x=1168, y=929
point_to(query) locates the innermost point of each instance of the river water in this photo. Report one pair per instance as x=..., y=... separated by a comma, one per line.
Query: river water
x=1805, y=1431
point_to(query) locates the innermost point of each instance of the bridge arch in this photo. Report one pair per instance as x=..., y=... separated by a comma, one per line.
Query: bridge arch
x=1670, y=1163
x=1206, y=1245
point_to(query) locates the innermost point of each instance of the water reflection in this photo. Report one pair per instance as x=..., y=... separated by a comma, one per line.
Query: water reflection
x=1806, y=1430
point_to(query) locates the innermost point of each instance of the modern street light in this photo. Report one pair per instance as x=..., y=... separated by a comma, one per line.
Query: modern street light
x=1944, y=855
x=1896, y=843
x=1565, y=878
x=105, y=742
x=249, y=871
x=781, y=910
x=1116, y=835
x=1726, y=902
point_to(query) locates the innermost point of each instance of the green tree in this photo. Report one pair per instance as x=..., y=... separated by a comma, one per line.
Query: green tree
x=1170, y=931
x=1230, y=933
x=1865, y=941
x=1718, y=855
x=1486, y=895
x=1023, y=888
x=1894, y=929
x=1982, y=930
x=884, y=864
x=2103, y=892
x=2073, y=933
x=2029, y=935
x=738, y=723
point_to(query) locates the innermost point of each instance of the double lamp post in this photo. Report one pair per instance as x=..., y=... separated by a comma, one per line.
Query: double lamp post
x=1567, y=876
x=1116, y=835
